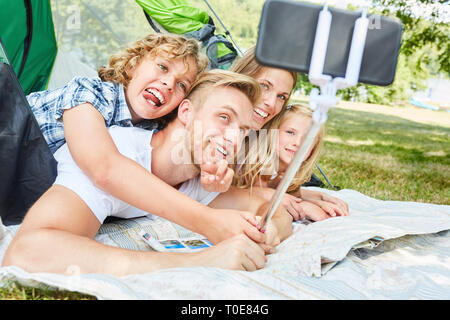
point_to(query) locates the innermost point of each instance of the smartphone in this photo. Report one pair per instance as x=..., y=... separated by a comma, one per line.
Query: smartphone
x=286, y=39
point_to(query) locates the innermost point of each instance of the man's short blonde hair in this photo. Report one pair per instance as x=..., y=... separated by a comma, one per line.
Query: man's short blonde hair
x=221, y=78
x=168, y=46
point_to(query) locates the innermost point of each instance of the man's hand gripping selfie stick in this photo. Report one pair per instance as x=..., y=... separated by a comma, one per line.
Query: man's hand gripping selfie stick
x=321, y=102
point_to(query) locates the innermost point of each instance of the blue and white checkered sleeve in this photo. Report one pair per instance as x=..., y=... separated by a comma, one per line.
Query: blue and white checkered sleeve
x=82, y=90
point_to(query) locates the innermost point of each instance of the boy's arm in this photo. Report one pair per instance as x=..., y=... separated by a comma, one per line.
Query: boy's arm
x=94, y=151
x=242, y=199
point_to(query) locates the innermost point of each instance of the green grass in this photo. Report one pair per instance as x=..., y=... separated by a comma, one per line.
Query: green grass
x=16, y=291
x=387, y=157
x=382, y=156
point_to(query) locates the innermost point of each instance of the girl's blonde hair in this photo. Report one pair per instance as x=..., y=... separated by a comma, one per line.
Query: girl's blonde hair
x=248, y=65
x=266, y=149
x=169, y=46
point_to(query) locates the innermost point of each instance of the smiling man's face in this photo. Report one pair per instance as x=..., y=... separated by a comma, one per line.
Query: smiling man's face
x=219, y=125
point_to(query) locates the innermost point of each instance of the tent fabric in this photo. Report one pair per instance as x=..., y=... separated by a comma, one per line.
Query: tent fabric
x=65, y=68
x=176, y=16
x=3, y=56
x=27, y=166
x=179, y=17
x=29, y=40
x=213, y=44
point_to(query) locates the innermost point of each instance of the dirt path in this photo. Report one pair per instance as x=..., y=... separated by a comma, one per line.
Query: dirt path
x=411, y=113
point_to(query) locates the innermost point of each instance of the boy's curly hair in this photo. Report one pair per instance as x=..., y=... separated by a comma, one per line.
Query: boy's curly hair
x=169, y=46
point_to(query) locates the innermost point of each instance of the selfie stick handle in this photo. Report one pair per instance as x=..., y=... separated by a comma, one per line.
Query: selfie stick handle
x=321, y=102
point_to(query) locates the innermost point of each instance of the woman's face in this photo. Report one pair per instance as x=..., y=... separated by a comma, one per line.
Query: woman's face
x=290, y=136
x=276, y=86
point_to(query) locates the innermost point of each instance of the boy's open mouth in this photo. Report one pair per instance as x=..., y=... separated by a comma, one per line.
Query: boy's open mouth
x=154, y=97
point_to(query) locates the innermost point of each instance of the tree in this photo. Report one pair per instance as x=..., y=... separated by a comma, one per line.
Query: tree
x=431, y=30
x=424, y=52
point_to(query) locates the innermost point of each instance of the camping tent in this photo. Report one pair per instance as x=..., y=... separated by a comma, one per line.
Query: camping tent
x=27, y=164
x=29, y=40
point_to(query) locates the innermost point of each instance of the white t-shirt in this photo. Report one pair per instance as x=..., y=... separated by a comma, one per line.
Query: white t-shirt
x=134, y=143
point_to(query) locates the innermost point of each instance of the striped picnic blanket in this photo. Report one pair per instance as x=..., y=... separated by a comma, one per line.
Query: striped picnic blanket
x=383, y=250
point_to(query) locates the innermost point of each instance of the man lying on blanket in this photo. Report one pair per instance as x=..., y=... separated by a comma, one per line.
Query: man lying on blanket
x=58, y=232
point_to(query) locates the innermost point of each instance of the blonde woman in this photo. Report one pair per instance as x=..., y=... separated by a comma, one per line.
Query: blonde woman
x=268, y=159
x=277, y=85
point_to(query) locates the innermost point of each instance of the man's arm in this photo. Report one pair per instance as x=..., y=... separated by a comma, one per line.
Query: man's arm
x=95, y=153
x=57, y=236
x=242, y=199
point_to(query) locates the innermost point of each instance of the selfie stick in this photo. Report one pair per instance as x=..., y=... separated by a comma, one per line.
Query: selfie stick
x=321, y=102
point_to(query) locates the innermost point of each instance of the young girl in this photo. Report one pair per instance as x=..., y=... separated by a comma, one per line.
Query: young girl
x=263, y=174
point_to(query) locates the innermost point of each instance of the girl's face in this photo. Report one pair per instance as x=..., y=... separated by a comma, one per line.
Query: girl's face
x=276, y=86
x=290, y=136
x=158, y=85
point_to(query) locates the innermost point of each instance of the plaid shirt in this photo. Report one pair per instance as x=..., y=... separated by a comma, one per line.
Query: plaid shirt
x=107, y=97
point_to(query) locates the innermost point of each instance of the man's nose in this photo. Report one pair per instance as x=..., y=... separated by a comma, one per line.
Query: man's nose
x=232, y=137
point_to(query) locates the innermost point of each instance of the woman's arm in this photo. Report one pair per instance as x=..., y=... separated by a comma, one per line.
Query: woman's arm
x=332, y=205
x=95, y=153
x=289, y=202
x=242, y=199
x=313, y=211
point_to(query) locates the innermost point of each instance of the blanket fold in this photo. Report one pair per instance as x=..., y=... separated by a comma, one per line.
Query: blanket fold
x=363, y=256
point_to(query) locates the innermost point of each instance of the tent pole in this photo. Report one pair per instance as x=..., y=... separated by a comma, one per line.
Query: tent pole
x=323, y=174
x=226, y=30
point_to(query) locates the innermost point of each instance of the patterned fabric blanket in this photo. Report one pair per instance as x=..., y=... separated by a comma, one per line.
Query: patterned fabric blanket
x=383, y=250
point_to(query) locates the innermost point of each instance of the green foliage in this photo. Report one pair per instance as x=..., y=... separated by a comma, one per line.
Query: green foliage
x=422, y=32
x=240, y=17
x=424, y=52
x=425, y=42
